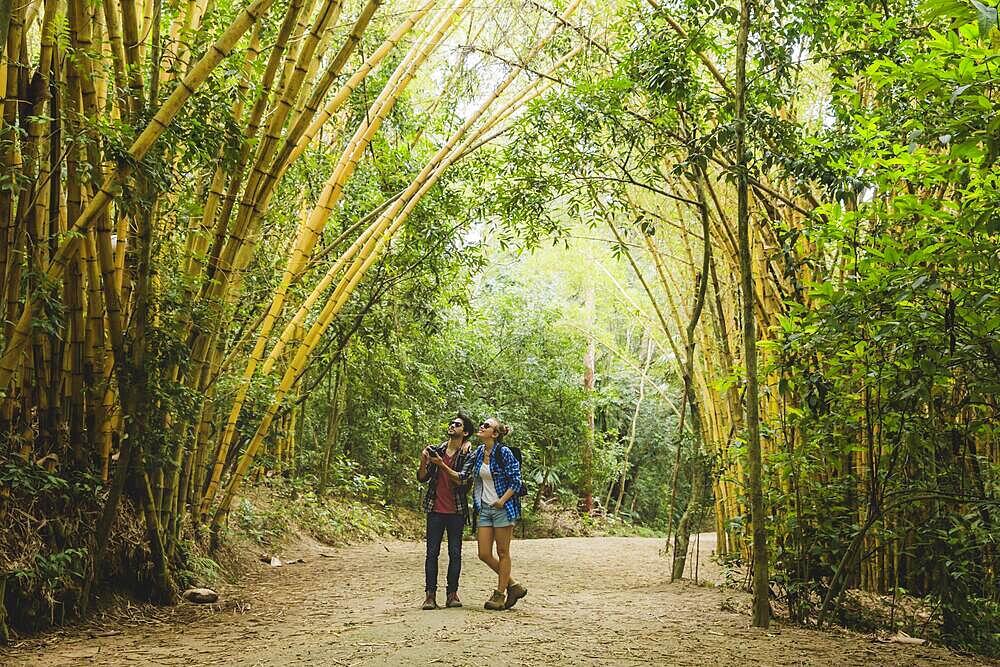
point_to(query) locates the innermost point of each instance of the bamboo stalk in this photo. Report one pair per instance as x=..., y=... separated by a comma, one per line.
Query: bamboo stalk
x=298, y=146
x=133, y=54
x=250, y=135
x=632, y=424
x=200, y=235
x=12, y=232
x=300, y=123
x=329, y=12
x=363, y=240
x=217, y=281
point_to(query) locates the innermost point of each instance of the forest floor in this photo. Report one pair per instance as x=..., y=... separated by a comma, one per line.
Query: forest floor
x=591, y=601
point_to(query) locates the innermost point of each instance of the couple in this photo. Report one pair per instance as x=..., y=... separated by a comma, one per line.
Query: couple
x=447, y=469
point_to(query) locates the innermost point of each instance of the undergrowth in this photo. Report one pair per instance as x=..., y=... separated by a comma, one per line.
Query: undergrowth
x=555, y=519
x=277, y=510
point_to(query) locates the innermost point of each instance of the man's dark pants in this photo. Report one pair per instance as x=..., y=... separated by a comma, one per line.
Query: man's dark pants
x=437, y=524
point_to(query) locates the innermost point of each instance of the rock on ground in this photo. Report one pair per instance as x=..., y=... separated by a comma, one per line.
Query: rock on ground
x=200, y=595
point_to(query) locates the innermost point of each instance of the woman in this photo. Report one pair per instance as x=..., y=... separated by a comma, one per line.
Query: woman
x=495, y=496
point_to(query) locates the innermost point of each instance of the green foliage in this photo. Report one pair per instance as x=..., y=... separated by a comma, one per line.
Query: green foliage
x=36, y=481
x=881, y=118
x=896, y=359
x=52, y=574
x=265, y=526
x=198, y=569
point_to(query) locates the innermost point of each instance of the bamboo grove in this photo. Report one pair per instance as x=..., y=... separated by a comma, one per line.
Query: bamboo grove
x=122, y=307
x=860, y=241
x=802, y=195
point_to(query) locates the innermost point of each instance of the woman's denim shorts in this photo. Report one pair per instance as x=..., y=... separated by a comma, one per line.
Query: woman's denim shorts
x=491, y=517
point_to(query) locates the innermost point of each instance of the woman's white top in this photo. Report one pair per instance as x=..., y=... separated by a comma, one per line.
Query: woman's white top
x=489, y=493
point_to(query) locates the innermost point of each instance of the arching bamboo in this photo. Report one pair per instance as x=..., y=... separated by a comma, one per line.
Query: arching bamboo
x=311, y=227
x=390, y=221
x=296, y=146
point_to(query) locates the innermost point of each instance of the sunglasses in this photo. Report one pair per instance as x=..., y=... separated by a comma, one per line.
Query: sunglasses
x=485, y=425
x=455, y=423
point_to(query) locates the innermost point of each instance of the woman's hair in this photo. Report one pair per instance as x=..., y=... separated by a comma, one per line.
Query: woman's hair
x=502, y=430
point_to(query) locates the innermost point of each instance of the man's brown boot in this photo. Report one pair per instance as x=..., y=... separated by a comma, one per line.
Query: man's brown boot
x=495, y=603
x=453, y=601
x=430, y=602
x=514, y=593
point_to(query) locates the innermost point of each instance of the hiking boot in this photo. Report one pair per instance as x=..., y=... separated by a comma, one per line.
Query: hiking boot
x=495, y=603
x=453, y=601
x=430, y=602
x=514, y=593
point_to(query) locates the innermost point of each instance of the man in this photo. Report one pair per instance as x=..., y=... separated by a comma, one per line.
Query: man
x=447, y=508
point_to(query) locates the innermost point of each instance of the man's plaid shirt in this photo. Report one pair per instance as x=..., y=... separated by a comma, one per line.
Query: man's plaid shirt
x=458, y=489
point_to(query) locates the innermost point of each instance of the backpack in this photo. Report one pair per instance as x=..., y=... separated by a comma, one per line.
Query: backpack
x=516, y=451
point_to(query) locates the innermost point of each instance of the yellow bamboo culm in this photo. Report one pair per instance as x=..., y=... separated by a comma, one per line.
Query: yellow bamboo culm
x=355, y=80
x=294, y=75
x=201, y=228
x=234, y=255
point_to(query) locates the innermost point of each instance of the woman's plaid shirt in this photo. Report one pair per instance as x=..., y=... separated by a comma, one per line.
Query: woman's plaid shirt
x=458, y=490
x=506, y=474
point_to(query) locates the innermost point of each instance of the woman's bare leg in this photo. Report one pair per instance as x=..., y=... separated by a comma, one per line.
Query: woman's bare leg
x=502, y=537
x=485, y=537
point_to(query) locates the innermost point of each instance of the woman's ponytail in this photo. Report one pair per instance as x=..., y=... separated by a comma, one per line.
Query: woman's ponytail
x=502, y=430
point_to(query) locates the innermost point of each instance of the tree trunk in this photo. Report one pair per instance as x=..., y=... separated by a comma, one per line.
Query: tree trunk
x=4, y=630
x=689, y=522
x=635, y=418
x=761, y=604
x=587, y=453
x=335, y=398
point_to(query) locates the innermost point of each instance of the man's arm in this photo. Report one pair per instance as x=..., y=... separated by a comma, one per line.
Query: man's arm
x=423, y=473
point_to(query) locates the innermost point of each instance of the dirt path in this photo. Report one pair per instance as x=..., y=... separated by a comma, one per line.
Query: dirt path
x=592, y=601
